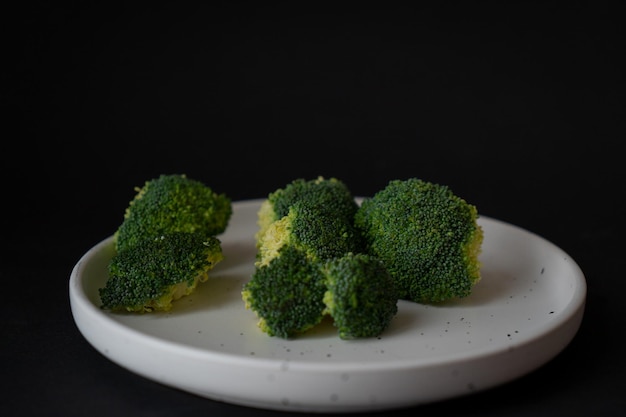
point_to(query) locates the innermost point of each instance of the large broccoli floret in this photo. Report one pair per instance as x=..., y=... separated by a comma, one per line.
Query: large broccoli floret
x=300, y=227
x=151, y=274
x=330, y=193
x=427, y=237
x=361, y=296
x=173, y=203
x=317, y=230
x=286, y=294
x=165, y=245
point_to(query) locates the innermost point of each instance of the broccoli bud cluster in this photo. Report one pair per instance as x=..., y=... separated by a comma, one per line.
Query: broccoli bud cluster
x=165, y=245
x=427, y=237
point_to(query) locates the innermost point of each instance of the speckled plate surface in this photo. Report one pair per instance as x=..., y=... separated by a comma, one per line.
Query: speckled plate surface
x=525, y=310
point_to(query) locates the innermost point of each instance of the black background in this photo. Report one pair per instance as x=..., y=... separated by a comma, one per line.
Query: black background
x=520, y=109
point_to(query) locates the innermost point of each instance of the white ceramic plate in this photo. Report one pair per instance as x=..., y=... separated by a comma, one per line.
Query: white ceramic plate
x=525, y=310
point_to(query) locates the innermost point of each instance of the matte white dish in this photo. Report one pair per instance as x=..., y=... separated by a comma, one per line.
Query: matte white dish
x=526, y=309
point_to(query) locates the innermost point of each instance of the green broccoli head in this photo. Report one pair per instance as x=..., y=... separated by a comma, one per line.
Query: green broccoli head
x=152, y=274
x=427, y=237
x=316, y=230
x=330, y=193
x=286, y=294
x=173, y=203
x=361, y=296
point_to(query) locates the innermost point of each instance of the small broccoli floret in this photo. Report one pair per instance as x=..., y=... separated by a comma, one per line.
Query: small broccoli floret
x=151, y=274
x=361, y=296
x=286, y=294
x=427, y=237
x=330, y=193
x=172, y=203
x=318, y=231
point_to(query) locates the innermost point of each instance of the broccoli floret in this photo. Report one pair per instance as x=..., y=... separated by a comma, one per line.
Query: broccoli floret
x=300, y=227
x=286, y=294
x=330, y=193
x=427, y=237
x=172, y=203
x=361, y=296
x=165, y=245
x=151, y=274
x=317, y=230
